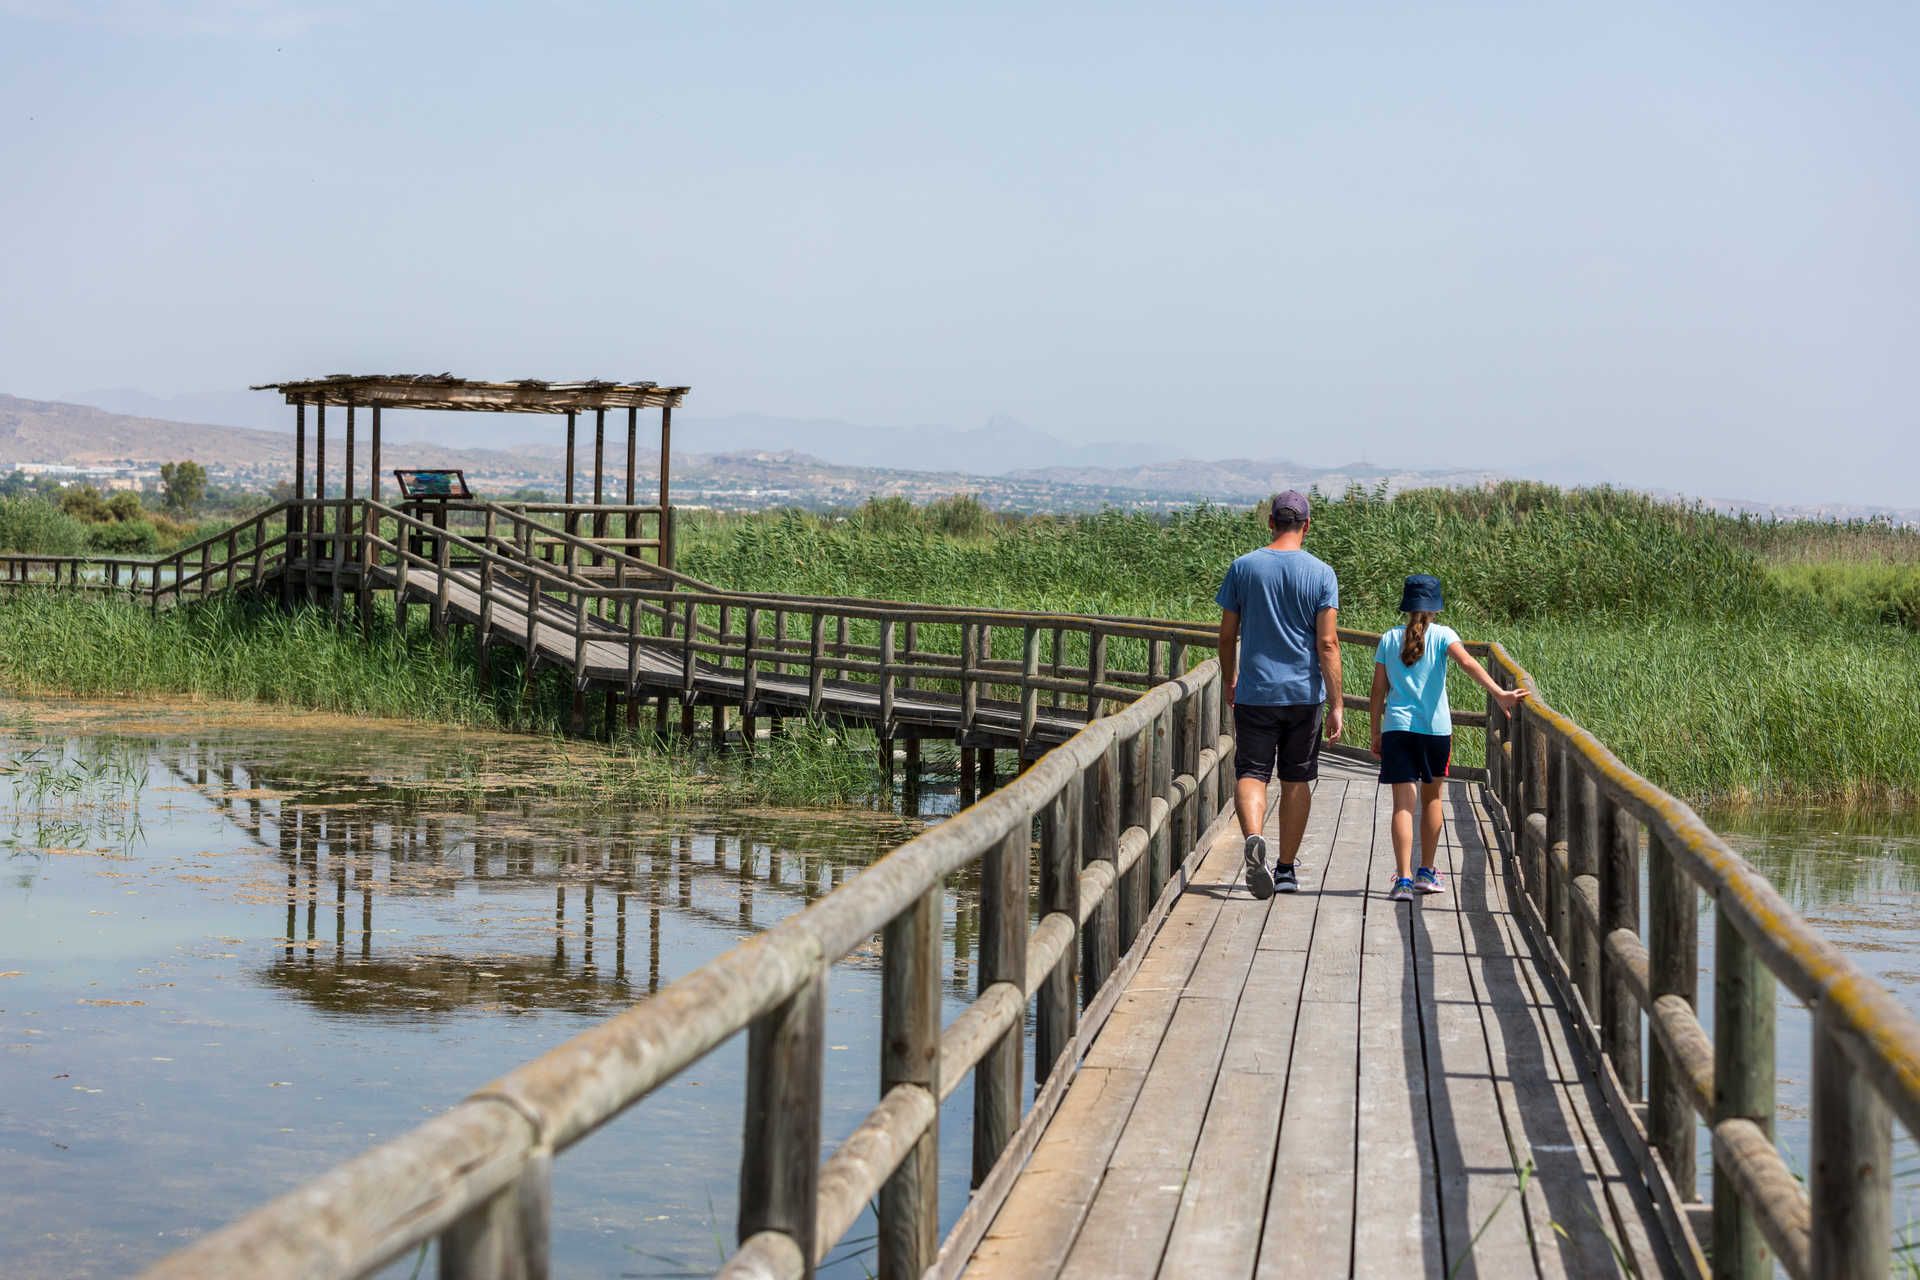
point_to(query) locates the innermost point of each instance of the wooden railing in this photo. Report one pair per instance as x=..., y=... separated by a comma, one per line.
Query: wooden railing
x=1585, y=829
x=1119, y=808
x=243, y=554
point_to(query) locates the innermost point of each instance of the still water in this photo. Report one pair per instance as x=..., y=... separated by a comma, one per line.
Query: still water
x=1855, y=876
x=236, y=949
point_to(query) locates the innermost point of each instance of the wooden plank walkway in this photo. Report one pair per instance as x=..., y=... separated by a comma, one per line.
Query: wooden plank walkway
x=1333, y=1084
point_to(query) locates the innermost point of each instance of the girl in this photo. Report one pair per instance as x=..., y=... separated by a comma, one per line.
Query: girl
x=1412, y=728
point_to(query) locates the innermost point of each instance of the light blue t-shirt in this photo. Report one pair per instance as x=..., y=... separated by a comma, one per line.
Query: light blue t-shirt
x=1279, y=596
x=1417, y=694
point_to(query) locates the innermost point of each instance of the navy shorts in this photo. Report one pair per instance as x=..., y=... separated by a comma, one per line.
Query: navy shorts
x=1283, y=740
x=1414, y=757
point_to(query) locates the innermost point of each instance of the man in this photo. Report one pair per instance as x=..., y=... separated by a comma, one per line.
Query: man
x=1285, y=603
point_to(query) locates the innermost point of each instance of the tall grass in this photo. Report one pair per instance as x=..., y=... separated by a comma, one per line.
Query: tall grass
x=1669, y=631
x=232, y=649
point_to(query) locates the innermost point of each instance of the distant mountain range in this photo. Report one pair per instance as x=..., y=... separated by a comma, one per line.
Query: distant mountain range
x=741, y=461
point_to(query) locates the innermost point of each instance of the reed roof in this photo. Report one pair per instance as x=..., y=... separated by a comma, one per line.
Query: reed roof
x=444, y=391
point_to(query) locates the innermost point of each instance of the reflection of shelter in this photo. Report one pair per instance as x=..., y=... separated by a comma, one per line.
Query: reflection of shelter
x=644, y=529
x=610, y=887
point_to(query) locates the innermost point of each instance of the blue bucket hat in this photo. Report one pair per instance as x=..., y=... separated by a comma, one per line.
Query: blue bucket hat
x=1421, y=594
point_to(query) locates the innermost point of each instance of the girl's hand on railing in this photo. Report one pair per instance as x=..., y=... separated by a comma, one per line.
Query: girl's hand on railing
x=1508, y=698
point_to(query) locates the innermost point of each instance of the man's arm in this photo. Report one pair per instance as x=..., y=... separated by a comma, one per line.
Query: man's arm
x=1229, y=650
x=1327, y=640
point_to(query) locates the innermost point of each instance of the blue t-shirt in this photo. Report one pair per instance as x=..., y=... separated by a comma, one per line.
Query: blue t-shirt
x=1417, y=694
x=1279, y=596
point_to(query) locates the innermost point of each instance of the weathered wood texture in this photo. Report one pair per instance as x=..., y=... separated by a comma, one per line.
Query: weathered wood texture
x=1332, y=1084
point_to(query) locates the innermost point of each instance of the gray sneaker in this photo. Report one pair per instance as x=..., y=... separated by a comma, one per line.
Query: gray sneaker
x=1259, y=879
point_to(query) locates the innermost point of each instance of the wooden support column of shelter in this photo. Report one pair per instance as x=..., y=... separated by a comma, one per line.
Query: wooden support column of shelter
x=599, y=474
x=567, y=488
x=628, y=523
x=315, y=547
x=665, y=550
x=296, y=514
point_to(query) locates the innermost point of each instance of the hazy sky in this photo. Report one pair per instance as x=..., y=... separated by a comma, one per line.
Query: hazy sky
x=1674, y=246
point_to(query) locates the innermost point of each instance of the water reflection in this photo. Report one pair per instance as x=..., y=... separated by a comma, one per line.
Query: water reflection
x=349, y=926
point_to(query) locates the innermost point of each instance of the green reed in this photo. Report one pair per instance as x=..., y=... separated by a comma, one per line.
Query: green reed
x=1672, y=632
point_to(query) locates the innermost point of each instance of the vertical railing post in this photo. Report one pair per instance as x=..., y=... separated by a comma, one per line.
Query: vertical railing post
x=1099, y=842
x=1058, y=1013
x=1206, y=738
x=1850, y=1178
x=780, y=1161
x=997, y=1082
x=506, y=1238
x=1029, y=692
x=1673, y=969
x=1136, y=810
x=1583, y=867
x=1617, y=841
x=1556, y=850
x=442, y=551
x=1161, y=775
x=910, y=1055
x=816, y=664
x=1743, y=1089
x=1538, y=758
x=1096, y=670
x=969, y=688
x=886, y=680
x=750, y=672
x=1189, y=716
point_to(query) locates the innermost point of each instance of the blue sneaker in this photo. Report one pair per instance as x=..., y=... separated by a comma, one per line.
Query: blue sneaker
x=1402, y=890
x=1259, y=879
x=1427, y=880
x=1286, y=877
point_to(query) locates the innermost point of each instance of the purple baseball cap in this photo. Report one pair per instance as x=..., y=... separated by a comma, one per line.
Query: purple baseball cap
x=1292, y=505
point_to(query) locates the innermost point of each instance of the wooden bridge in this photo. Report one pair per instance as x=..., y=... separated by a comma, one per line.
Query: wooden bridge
x=1510, y=1079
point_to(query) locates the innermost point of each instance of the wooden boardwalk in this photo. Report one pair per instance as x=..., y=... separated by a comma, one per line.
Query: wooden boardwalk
x=659, y=666
x=1332, y=1084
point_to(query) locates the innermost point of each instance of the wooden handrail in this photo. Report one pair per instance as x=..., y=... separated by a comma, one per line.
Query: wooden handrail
x=1575, y=814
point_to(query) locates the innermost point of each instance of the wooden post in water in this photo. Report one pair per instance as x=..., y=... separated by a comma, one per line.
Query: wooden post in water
x=1003, y=959
x=1673, y=969
x=967, y=780
x=780, y=1168
x=910, y=1055
x=1743, y=1089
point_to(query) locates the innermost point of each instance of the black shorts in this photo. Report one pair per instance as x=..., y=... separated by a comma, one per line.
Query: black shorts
x=1283, y=740
x=1414, y=757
